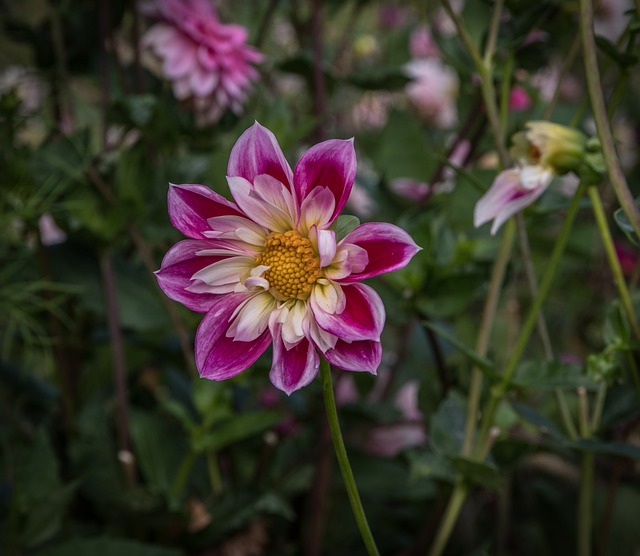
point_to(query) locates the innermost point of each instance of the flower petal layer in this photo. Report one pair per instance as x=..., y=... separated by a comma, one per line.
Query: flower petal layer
x=362, y=317
x=257, y=152
x=295, y=367
x=219, y=357
x=329, y=164
x=178, y=266
x=356, y=356
x=190, y=205
x=388, y=247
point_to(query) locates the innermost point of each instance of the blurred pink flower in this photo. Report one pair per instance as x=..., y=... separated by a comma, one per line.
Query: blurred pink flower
x=50, y=233
x=422, y=45
x=269, y=269
x=519, y=99
x=208, y=62
x=411, y=189
x=611, y=18
x=627, y=256
x=433, y=91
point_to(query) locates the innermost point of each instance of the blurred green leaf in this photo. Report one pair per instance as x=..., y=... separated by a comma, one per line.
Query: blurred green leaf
x=544, y=423
x=477, y=472
x=607, y=448
x=623, y=223
x=486, y=366
x=623, y=59
x=546, y=375
x=448, y=424
x=378, y=79
x=107, y=546
x=237, y=428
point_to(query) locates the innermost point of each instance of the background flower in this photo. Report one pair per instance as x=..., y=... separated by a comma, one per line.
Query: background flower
x=208, y=61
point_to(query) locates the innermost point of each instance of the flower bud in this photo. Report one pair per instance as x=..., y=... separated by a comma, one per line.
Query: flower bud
x=552, y=146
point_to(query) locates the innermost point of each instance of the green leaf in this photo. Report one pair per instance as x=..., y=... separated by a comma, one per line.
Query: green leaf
x=607, y=448
x=379, y=79
x=548, y=375
x=106, y=546
x=485, y=365
x=430, y=465
x=448, y=424
x=538, y=419
x=159, y=449
x=212, y=400
x=345, y=224
x=623, y=223
x=477, y=472
x=237, y=428
x=616, y=327
x=624, y=59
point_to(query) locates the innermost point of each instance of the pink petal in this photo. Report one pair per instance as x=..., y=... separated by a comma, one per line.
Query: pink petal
x=178, y=266
x=388, y=248
x=356, y=356
x=257, y=152
x=329, y=164
x=190, y=205
x=504, y=198
x=294, y=368
x=219, y=357
x=362, y=318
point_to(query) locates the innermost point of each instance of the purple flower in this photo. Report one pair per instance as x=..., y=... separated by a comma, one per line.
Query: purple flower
x=208, y=61
x=269, y=268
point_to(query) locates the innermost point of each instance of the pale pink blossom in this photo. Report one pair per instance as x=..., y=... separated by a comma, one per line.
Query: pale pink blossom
x=611, y=18
x=269, y=268
x=511, y=192
x=50, y=232
x=433, y=91
x=208, y=62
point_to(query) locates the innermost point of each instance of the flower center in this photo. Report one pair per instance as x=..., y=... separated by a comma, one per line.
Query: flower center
x=534, y=154
x=294, y=266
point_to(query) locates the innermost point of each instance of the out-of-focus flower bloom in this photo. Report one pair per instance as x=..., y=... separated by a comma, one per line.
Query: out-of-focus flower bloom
x=391, y=16
x=360, y=201
x=208, y=62
x=433, y=91
x=50, y=233
x=269, y=269
x=442, y=23
x=422, y=45
x=29, y=89
x=542, y=151
x=519, y=99
x=547, y=80
x=411, y=189
x=610, y=18
x=371, y=112
x=627, y=256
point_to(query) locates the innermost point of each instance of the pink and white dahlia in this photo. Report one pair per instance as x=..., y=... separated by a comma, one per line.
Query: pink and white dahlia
x=209, y=62
x=269, y=268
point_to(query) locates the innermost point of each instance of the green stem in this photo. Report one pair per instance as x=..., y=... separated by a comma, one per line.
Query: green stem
x=486, y=325
x=182, y=476
x=614, y=262
x=500, y=390
x=597, y=412
x=592, y=73
x=214, y=473
x=456, y=500
x=343, y=460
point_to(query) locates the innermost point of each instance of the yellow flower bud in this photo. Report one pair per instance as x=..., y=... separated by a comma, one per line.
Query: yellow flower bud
x=556, y=147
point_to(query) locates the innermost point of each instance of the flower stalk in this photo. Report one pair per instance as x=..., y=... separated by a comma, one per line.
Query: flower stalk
x=343, y=459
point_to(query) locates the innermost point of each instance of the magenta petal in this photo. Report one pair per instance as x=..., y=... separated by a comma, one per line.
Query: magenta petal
x=179, y=265
x=388, y=247
x=329, y=164
x=356, y=356
x=190, y=205
x=294, y=368
x=257, y=152
x=217, y=356
x=362, y=318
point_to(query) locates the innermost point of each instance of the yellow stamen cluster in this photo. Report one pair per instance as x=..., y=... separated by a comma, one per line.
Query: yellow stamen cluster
x=294, y=265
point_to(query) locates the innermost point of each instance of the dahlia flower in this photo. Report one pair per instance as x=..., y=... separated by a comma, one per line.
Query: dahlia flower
x=270, y=269
x=208, y=61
